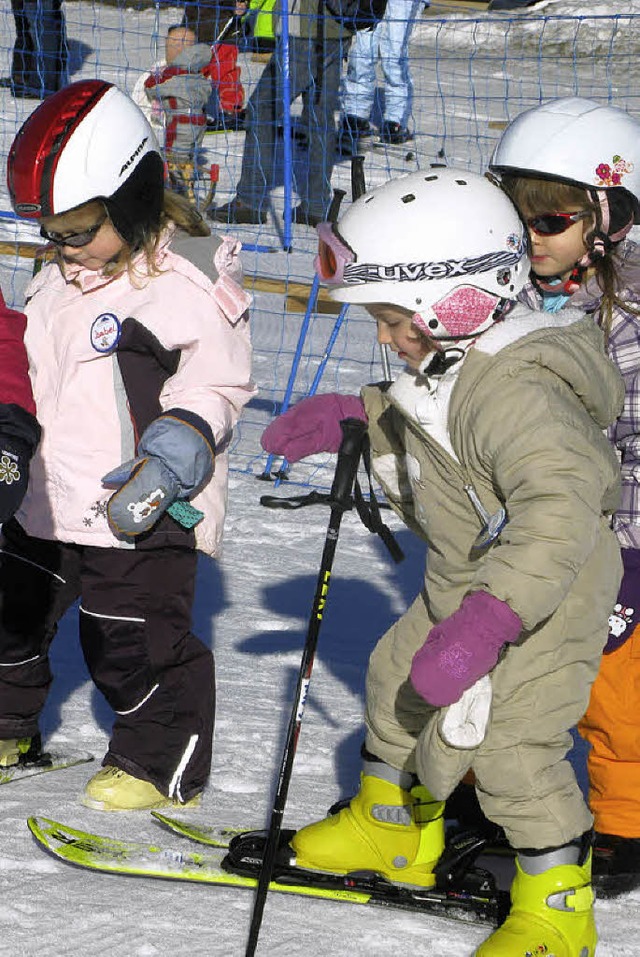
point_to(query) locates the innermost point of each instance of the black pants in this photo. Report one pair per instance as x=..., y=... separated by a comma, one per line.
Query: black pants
x=40, y=52
x=135, y=620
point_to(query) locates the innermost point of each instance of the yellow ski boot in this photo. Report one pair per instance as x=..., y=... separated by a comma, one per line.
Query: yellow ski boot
x=12, y=750
x=390, y=827
x=551, y=909
x=112, y=789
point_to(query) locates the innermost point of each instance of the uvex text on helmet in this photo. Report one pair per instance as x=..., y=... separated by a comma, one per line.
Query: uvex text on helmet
x=417, y=238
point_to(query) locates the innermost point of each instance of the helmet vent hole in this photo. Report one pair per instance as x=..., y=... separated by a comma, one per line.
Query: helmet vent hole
x=461, y=182
x=408, y=198
x=430, y=179
x=368, y=199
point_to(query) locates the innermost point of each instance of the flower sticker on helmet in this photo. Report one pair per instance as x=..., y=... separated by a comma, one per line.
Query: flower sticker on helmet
x=612, y=175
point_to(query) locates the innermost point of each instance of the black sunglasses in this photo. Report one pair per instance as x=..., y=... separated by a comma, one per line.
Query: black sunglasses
x=553, y=224
x=76, y=240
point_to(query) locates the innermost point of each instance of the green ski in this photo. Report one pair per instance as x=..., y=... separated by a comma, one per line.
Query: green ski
x=207, y=866
x=45, y=762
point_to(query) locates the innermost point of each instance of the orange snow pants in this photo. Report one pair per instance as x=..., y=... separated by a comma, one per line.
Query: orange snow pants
x=612, y=728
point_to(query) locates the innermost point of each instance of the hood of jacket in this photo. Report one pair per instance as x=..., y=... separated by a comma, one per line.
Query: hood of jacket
x=193, y=58
x=567, y=345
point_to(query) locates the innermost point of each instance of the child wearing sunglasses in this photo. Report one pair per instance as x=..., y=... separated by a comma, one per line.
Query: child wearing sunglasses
x=572, y=167
x=490, y=446
x=140, y=359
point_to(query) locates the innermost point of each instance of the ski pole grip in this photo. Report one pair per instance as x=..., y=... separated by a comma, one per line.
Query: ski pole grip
x=336, y=202
x=358, y=185
x=348, y=458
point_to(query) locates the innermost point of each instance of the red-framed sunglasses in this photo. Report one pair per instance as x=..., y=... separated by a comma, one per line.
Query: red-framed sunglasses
x=553, y=224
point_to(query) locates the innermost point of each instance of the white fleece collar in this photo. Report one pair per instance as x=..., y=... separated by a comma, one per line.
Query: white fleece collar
x=521, y=321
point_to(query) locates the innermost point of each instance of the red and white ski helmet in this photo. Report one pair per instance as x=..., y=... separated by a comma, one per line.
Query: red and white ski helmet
x=445, y=243
x=88, y=141
x=584, y=143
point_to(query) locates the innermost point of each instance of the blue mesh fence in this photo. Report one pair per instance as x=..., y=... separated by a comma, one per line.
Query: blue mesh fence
x=470, y=72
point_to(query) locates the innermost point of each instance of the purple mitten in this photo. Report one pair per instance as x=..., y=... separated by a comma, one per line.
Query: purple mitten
x=463, y=648
x=313, y=425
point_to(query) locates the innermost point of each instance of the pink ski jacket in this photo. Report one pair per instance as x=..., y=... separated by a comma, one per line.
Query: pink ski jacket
x=107, y=356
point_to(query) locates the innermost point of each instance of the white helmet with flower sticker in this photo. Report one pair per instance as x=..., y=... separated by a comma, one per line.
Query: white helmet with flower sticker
x=584, y=143
x=444, y=243
x=576, y=140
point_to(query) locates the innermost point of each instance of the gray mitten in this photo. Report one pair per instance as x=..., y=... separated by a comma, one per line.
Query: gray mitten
x=146, y=490
x=175, y=460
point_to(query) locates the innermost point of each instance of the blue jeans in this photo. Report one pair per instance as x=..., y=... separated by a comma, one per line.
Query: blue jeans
x=314, y=74
x=40, y=52
x=390, y=41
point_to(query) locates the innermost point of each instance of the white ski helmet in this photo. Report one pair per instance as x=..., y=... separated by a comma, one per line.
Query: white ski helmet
x=583, y=143
x=88, y=141
x=415, y=240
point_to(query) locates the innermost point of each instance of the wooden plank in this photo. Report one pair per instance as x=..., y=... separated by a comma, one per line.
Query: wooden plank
x=437, y=7
x=296, y=294
x=22, y=250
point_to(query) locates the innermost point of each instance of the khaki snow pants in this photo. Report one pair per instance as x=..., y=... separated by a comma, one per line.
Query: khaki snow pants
x=540, y=691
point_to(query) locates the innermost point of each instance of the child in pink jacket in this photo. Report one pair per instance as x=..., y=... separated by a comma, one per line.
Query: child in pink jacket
x=141, y=364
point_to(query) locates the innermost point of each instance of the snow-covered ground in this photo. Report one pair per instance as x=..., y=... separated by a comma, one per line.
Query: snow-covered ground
x=472, y=72
x=253, y=608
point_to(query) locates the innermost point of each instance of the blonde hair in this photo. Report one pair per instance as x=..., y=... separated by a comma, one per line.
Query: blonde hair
x=535, y=196
x=176, y=211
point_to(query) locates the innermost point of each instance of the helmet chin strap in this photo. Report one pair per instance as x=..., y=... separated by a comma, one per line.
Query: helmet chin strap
x=601, y=245
x=438, y=362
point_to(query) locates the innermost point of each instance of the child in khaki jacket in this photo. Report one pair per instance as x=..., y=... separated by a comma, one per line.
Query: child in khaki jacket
x=490, y=446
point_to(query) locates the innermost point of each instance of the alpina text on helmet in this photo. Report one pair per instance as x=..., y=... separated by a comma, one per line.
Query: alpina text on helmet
x=133, y=156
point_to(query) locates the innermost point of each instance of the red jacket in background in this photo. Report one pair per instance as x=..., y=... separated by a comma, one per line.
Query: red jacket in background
x=15, y=384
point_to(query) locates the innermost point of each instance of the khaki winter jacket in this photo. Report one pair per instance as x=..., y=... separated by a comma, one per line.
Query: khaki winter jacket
x=521, y=420
x=525, y=427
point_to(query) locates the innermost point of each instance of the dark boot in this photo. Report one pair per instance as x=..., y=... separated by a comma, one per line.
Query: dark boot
x=394, y=133
x=352, y=130
x=616, y=864
x=237, y=212
x=303, y=217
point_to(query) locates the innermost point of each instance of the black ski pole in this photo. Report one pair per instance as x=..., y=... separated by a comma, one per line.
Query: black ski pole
x=341, y=501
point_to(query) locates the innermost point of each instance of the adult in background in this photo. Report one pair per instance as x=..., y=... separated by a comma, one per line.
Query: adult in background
x=40, y=53
x=317, y=43
x=388, y=42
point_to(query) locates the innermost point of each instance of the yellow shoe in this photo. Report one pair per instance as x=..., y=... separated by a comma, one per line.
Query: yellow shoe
x=12, y=749
x=386, y=829
x=112, y=789
x=551, y=915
